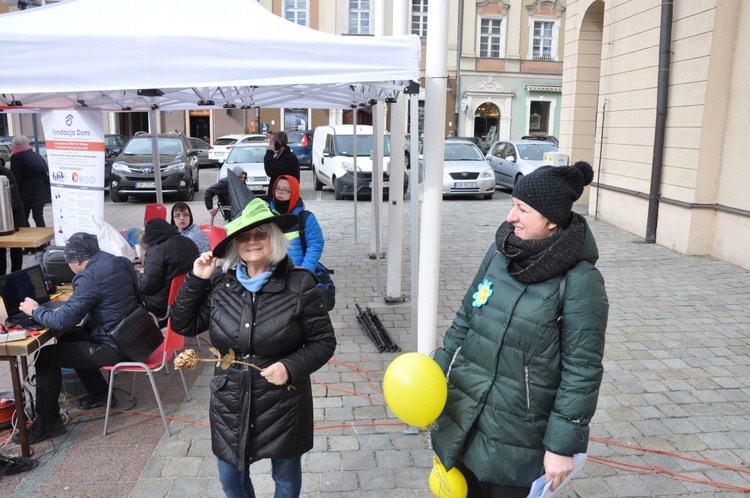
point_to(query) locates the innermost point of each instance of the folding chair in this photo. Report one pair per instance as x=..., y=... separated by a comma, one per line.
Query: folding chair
x=155, y=210
x=158, y=360
x=215, y=234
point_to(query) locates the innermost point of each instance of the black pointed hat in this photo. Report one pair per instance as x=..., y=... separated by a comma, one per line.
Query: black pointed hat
x=239, y=195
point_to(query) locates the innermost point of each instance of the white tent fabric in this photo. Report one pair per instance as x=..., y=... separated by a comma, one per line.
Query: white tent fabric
x=185, y=54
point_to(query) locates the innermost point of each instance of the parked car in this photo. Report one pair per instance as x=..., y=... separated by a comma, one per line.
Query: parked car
x=407, y=150
x=5, y=153
x=478, y=141
x=512, y=159
x=219, y=151
x=465, y=170
x=113, y=144
x=300, y=142
x=202, y=148
x=249, y=156
x=133, y=170
x=333, y=165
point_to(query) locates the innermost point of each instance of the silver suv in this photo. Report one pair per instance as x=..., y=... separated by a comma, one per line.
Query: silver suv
x=512, y=159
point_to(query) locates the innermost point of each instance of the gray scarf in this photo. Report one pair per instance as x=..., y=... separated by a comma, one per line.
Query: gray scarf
x=532, y=261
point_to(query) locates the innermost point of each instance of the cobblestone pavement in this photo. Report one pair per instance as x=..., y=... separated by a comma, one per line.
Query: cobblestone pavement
x=675, y=395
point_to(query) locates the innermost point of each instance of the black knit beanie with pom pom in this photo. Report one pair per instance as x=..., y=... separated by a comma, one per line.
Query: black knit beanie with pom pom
x=552, y=190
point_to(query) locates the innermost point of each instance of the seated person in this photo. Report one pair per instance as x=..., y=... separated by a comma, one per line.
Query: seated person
x=220, y=189
x=182, y=220
x=168, y=254
x=104, y=293
x=286, y=200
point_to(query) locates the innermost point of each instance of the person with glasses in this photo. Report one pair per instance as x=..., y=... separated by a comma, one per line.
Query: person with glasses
x=268, y=313
x=286, y=200
x=279, y=160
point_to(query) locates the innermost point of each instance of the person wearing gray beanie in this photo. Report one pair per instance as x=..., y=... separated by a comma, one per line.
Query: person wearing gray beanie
x=526, y=347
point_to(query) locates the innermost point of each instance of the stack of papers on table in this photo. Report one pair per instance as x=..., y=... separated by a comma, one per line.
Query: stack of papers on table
x=541, y=489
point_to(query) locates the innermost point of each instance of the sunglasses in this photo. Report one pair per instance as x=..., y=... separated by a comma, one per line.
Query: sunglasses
x=256, y=236
x=282, y=190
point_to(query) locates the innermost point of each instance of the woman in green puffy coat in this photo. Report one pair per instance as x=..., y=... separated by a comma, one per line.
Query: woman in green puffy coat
x=523, y=386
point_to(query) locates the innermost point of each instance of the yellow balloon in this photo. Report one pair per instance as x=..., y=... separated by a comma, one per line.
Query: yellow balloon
x=451, y=484
x=415, y=389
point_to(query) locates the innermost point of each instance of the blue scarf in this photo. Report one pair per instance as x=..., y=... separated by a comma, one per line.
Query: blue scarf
x=253, y=284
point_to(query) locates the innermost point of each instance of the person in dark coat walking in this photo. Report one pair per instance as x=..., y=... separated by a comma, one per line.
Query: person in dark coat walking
x=523, y=375
x=104, y=293
x=20, y=219
x=279, y=160
x=32, y=176
x=168, y=254
x=220, y=189
x=270, y=314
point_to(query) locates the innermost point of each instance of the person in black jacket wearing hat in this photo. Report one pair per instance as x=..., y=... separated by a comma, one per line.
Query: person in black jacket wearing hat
x=279, y=160
x=104, y=294
x=32, y=175
x=271, y=314
x=168, y=254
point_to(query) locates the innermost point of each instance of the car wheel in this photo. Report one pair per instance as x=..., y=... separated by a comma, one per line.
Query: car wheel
x=188, y=195
x=196, y=183
x=336, y=190
x=115, y=197
x=489, y=196
x=317, y=184
x=407, y=161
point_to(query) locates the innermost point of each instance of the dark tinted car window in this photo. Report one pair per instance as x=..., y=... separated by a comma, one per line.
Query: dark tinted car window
x=225, y=141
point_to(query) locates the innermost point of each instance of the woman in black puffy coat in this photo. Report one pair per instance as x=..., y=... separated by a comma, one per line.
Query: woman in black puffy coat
x=32, y=175
x=168, y=254
x=271, y=314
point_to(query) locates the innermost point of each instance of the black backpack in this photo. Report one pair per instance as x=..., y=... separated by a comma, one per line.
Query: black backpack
x=323, y=274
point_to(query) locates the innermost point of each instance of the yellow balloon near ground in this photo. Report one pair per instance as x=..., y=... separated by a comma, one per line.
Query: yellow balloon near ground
x=415, y=389
x=451, y=484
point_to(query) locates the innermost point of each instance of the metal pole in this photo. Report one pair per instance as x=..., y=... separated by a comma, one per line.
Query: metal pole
x=356, y=172
x=599, y=169
x=414, y=189
x=155, y=149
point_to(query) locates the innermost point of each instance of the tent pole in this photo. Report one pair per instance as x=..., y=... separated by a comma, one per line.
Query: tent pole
x=354, y=147
x=157, y=158
x=376, y=190
x=414, y=188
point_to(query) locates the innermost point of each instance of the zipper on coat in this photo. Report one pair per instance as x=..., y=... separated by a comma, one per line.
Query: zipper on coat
x=528, y=391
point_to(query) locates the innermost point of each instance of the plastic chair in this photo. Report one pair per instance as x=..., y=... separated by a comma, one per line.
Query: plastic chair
x=158, y=360
x=155, y=210
x=215, y=234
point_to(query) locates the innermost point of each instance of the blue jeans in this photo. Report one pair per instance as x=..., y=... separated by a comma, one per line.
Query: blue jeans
x=286, y=473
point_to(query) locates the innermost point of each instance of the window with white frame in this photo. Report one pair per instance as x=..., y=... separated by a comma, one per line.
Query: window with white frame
x=359, y=17
x=419, y=18
x=296, y=11
x=492, y=37
x=543, y=38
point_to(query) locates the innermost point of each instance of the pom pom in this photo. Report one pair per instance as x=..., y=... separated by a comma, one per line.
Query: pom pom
x=586, y=170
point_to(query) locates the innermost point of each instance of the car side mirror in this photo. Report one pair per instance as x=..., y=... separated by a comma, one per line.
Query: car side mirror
x=511, y=159
x=193, y=152
x=326, y=152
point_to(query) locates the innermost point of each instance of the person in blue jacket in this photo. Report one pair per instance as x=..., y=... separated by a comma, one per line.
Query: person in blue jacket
x=104, y=293
x=286, y=200
x=182, y=220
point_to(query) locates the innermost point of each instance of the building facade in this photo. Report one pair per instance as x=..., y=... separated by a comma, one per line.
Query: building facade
x=684, y=186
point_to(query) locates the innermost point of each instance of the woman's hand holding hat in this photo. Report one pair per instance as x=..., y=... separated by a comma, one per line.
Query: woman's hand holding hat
x=205, y=265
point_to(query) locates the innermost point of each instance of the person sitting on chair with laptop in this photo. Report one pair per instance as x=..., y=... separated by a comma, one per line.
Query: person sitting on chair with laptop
x=104, y=293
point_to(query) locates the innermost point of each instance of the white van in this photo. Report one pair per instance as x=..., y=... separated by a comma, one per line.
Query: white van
x=333, y=159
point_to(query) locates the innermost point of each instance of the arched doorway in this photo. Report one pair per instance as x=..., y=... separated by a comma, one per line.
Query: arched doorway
x=486, y=121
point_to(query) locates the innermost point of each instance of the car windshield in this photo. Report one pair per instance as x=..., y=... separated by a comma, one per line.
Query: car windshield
x=462, y=152
x=142, y=147
x=246, y=155
x=225, y=141
x=345, y=145
x=535, y=152
x=112, y=141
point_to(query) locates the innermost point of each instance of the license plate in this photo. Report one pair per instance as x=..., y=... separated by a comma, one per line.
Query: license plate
x=145, y=185
x=257, y=187
x=460, y=185
x=385, y=184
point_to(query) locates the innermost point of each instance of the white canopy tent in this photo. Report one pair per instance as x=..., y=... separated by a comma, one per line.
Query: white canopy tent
x=186, y=54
